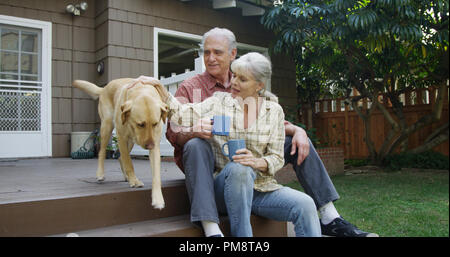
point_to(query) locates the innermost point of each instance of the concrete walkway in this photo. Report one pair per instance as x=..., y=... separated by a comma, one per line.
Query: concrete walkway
x=53, y=178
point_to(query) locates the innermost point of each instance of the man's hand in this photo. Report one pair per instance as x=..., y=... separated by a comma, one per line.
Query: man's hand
x=203, y=129
x=300, y=143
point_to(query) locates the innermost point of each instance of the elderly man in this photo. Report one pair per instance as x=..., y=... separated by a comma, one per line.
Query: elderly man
x=194, y=156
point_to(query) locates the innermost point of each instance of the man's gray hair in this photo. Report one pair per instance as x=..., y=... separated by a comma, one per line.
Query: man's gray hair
x=220, y=32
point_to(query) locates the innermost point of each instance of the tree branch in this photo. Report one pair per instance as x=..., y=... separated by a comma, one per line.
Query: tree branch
x=425, y=120
x=433, y=142
x=436, y=132
x=387, y=115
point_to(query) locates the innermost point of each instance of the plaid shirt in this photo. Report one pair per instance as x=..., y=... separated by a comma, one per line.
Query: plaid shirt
x=193, y=90
x=264, y=138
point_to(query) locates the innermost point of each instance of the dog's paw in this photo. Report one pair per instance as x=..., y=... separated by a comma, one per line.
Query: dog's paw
x=136, y=183
x=157, y=200
x=100, y=175
x=158, y=205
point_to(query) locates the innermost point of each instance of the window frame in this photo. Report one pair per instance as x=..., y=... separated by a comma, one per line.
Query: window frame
x=45, y=66
x=178, y=34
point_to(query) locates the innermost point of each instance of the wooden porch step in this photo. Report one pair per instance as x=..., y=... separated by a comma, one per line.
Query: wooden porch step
x=179, y=226
x=115, y=214
x=68, y=214
x=57, y=196
x=170, y=226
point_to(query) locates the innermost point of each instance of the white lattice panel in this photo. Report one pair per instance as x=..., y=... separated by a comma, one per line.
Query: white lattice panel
x=20, y=110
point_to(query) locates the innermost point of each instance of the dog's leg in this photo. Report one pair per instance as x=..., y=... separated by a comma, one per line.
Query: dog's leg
x=105, y=134
x=121, y=167
x=127, y=165
x=155, y=164
x=130, y=147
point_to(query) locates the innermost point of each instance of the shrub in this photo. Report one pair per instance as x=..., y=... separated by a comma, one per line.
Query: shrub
x=356, y=162
x=425, y=160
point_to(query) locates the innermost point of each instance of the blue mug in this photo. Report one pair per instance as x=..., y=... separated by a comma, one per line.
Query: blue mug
x=233, y=146
x=221, y=125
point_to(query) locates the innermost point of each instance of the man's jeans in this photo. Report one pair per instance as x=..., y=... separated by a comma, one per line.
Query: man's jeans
x=311, y=174
x=198, y=161
x=236, y=197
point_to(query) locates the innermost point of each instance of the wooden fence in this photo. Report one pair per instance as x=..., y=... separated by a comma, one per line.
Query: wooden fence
x=339, y=126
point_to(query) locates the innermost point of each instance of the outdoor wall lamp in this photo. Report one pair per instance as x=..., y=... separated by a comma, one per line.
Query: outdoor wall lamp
x=76, y=9
x=100, y=67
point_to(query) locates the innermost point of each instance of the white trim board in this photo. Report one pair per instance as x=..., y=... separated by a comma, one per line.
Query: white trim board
x=46, y=73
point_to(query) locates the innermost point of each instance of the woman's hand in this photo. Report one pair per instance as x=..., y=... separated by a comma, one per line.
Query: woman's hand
x=203, y=129
x=245, y=157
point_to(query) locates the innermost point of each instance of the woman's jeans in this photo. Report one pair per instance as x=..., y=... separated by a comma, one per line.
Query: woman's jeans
x=235, y=196
x=198, y=161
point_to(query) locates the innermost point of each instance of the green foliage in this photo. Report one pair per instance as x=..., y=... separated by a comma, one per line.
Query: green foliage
x=317, y=64
x=360, y=40
x=367, y=31
x=356, y=162
x=375, y=46
x=310, y=132
x=113, y=144
x=425, y=160
x=297, y=20
x=290, y=116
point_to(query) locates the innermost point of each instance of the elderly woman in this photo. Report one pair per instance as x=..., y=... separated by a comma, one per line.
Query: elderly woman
x=246, y=184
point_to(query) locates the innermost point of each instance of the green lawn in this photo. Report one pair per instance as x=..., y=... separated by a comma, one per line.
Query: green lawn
x=395, y=204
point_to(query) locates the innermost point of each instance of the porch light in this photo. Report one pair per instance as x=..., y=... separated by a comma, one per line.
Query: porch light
x=76, y=9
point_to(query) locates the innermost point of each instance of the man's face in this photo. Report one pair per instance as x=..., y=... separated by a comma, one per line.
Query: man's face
x=217, y=56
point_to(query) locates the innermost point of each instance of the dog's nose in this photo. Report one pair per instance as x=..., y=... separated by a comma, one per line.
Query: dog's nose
x=149, y=146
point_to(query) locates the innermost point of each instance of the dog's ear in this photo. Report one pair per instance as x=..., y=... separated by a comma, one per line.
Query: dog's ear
x=164, y=112
x=162, y=91
x=126, y=108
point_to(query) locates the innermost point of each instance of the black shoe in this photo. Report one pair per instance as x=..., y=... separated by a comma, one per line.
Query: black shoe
x=342, y=228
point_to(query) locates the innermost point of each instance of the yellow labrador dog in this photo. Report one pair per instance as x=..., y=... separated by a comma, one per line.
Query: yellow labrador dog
x=136, y=108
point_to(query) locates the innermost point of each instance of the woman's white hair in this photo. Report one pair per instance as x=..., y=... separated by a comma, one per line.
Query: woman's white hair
x=256, y=64
x=220, y=32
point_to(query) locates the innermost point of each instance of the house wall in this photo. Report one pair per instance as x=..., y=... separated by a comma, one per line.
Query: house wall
x=120, y=33
x=71, y=58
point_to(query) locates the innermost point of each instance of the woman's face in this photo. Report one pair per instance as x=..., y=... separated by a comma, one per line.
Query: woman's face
x=244, y=85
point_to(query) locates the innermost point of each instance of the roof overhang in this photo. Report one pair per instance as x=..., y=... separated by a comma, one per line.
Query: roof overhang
x=249, y=7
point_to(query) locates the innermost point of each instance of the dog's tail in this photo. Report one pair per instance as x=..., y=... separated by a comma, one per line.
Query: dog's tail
x=88, y=87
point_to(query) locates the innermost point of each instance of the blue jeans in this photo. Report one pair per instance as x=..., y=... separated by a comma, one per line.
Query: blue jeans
x=236, y=197
x=198, y=161
x=311, y=174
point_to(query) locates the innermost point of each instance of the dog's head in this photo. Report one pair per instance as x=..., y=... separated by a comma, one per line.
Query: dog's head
x=145, y=115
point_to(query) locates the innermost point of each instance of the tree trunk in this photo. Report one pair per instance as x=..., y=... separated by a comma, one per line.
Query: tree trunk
x=436, y=138
x=373, y=156
x=309, y=118
x=400, y=131
x=425, y=120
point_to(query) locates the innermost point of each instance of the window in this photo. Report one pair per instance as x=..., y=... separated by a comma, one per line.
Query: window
x=20, y=79
x=175, y=52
